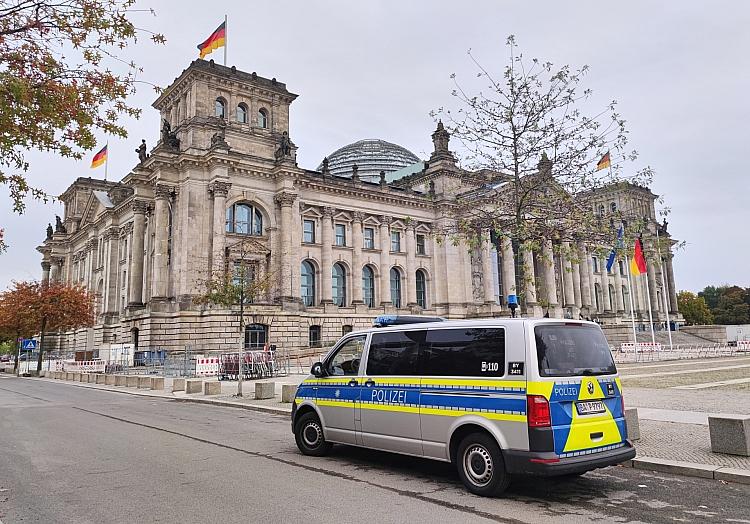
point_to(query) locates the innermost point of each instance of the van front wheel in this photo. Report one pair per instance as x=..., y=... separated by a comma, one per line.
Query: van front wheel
x=480, y=465
x=308, y=432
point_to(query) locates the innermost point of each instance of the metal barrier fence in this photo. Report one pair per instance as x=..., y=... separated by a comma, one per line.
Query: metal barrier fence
x=676, y=352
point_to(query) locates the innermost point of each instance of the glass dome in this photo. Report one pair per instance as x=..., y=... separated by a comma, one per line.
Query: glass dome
x=371, y=157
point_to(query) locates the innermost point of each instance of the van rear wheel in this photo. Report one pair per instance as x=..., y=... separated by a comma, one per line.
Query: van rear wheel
x=481, y=466
x=308, y=433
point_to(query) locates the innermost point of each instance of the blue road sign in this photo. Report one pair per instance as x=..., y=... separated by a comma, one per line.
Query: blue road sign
x=28, y=344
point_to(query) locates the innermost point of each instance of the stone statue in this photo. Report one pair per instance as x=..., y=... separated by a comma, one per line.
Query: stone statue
x=285, y=146
x=142, y=155
x=49, y=232
x=168, y=138
x=59, y=227
x=166, y=129
x=217, y=139
x=664, y=225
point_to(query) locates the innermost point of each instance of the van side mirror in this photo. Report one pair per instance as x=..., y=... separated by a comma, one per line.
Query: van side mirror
x=317, y=370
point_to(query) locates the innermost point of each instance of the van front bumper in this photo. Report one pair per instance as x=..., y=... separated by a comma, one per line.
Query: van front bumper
x=549, y=464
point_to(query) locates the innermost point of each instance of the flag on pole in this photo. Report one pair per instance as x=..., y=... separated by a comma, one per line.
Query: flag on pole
x=604, y=163
x=613, y=253
x=638, y=263
x=99, y=158
x=213, y=42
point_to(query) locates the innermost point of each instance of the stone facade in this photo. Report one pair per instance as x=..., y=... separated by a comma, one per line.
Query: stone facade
x=223, y=185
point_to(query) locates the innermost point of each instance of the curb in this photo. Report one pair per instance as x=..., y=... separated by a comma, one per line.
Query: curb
x=690, y=469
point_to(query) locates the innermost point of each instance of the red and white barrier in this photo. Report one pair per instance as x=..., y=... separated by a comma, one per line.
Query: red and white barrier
x=206, y=367
x=629, y=347
x=743, y=345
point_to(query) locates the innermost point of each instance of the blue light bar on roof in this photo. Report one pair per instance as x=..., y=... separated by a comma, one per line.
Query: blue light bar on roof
x=397, y=320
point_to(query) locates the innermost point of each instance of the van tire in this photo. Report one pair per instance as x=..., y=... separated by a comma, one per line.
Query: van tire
x=481, y=466
x=308, y=433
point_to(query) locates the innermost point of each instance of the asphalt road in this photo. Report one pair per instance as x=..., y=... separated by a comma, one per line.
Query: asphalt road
x=71, y=454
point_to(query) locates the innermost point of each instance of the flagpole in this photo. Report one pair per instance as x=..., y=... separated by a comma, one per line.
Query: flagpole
x=630, y=296
x=226, y=39
x=106, y=161
x=664, y=287
x=650, y=315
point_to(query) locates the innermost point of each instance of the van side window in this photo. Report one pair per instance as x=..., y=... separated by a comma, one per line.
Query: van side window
x=394, y=353
x=469, y=352
x=347, y=357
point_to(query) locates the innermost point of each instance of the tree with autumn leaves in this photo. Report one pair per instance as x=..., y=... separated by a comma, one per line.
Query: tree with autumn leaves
x=31, y=308
x=62, y=80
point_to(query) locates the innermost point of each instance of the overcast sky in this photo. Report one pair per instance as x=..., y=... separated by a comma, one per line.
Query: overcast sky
x=375, y=69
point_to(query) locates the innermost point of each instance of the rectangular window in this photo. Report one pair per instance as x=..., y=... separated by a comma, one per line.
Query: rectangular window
x=308, y=231
x=314, y=336
x=596, y=264
x=340, y=235
x=395, y=353
x=395, y=241
x=420, y=245
x=572, y=350
x=369, y=238
x=474, y=352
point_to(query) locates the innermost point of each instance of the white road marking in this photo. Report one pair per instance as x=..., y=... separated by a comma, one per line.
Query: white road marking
x=707, y=385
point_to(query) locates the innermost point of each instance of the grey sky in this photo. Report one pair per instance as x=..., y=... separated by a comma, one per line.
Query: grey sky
x=375, y=70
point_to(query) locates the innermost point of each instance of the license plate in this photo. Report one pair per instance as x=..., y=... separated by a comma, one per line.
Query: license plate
x=590, y=407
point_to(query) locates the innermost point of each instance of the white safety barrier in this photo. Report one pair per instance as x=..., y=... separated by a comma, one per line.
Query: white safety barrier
x=743, y=345
x=639, y=347
x=80, y=366
x=206, y=367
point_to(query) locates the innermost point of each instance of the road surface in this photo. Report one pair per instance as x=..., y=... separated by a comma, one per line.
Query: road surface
x=73, y=454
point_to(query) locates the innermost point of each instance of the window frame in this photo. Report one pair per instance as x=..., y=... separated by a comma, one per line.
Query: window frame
x=311, y=286
x=245, y=113
x=337, y=349
x=262, y=122
x=396, y=241
x=254, y=225
x=417, y=340
x=502, y=360
x=398, y=298
x=319, y=331
x=421, y=245
x=340, y=299
x=369, y=301
x=420, y=273
x=339, y=234
x=368, y=241
x=220, y=102
x=305, y=222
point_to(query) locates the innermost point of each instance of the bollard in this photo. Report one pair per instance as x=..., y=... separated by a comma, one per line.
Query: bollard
x=288, y=392
x=109, y=380
x=212, y=388
x=144, y=382
x=100, y=377
x=68, y=375
x=193, y=386
x=91, y=377
x=131, y=381
x=631, y=422
x=84, y=377
x=76, y=377
x=43, y=373
x=120, y=380
x=730, y=434
x=157, y=383
x=178, y=384
x=264, y=390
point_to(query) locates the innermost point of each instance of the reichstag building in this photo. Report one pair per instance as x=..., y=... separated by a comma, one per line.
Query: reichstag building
x=330, y=247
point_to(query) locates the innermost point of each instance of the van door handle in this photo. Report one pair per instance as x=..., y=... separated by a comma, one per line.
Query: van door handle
x=353, y=382
x=370, y=382
x=597, y=435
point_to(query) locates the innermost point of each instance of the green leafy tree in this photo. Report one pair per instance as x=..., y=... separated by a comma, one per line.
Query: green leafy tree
x=62, y=80
x=694, y=309
x=733, y=306
x=711, y=295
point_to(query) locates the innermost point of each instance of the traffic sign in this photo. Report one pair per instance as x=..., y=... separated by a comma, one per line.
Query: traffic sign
x=28, y=344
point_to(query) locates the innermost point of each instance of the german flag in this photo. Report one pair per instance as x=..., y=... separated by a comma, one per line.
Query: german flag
x=604, y=163
x=213, y=42
x=99, y=158
x=638, y=263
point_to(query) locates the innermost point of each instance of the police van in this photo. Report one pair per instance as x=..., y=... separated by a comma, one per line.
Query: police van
x=496, y=397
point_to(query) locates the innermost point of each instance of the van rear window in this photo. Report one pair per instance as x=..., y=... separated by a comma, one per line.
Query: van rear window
x=567, y=350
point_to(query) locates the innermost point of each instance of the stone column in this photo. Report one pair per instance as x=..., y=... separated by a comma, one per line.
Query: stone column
x=673, y=308
x=219, y=191
x=592, y=283
x=619, y=305
x=54, y=274
x=163, y=193
x=577, y=298
x=136, y=261
x=326, y=258
x=112, y=269
x=651, y=276
x=45, y=272
x=439, y=270
x=285, y=200
x=385, y=261
x=357, y=239
x=584, y=270
x=529, y=276
x=488, y=282
x=509, y=268
x=605, y=290
x=567, y=276
x=411, y=266
x=549, y=275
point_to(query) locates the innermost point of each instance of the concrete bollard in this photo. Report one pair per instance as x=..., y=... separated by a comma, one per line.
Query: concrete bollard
x=730, y=434
x=69, y=375
x=288, y=391
x=631, y=422
x=144, y=382
x=120, y=380
x=131, y=381
x=76, y=377
x=212, y=388
x=84, y=377
x=264, y=390
x=157, y=383
x=91, y=377
x=100, y=378
x=193, y=386
x=109, y=380
x=178, y=384
x=43, y=373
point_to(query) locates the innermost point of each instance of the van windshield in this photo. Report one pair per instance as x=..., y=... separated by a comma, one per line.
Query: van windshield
x=567, y=350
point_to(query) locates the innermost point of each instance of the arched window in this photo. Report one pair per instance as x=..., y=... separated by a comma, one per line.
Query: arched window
x=220, y=108
x=612, y=298
x=421, y=282
x=368, y=286
x=339, y=285
x=244, y=219
x=598, y=297
x=613, y=207
x=395, y=287
x=601, y=210
x=308, y=283
x=256, y=336
x=241, y=114
x=262, y=118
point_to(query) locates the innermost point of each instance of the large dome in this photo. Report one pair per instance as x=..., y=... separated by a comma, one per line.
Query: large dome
x=371, y=157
